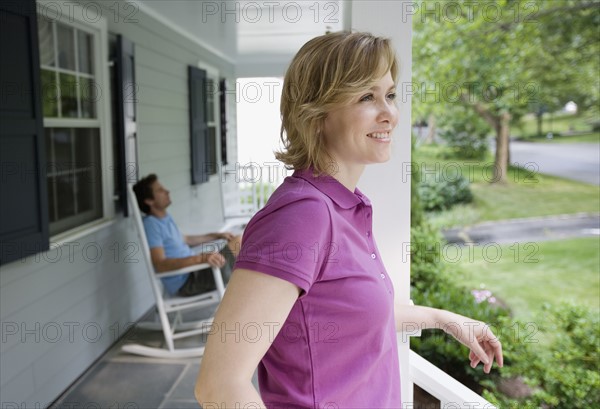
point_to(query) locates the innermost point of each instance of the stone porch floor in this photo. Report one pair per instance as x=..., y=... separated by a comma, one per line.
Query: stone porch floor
x=122, y=381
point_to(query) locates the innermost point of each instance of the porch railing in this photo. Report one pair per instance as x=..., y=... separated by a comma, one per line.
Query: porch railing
x=250, y=187
x=450, y=392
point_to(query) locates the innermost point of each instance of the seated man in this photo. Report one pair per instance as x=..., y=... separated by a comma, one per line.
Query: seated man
x=170, y=250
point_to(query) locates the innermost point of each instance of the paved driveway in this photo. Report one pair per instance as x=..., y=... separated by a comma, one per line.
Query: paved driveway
x=532, y=229
x=578, y=161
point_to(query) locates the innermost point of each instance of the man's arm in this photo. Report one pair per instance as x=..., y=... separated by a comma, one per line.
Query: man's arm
x=197, y=240
x=162, y=263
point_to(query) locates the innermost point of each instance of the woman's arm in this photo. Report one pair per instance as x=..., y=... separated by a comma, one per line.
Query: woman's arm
x=252, y=301
x=483, y=344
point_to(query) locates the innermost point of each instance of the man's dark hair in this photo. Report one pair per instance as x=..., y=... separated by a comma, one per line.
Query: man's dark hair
x=143, y=191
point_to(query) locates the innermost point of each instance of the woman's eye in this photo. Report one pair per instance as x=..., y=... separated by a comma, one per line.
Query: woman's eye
x=368, y=97
x=392, y=96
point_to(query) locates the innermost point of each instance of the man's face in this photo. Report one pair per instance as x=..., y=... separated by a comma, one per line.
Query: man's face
x=161, y=197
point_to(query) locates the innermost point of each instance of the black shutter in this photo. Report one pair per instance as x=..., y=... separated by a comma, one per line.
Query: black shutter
x=24, y=200
x=223, y=111
x=198, y=125
x=126, y=94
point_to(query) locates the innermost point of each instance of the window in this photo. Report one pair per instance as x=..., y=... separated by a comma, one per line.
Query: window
x=204, y=122
x=212, y=119
x=72, y=103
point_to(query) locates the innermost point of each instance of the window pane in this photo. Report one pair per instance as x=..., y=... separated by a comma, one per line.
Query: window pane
x=51, y=198
x=50, y=172
x=88, y=184
x=212, y=150
x=86, y=147
x=64, y=191
x=68, y=95
x=46, y=41
x=63, y=144
x=49, y=94
x=74, y=179
x=89, y=94
x=210, y=100
x=60, y=170
x=89, y=193
x=66, y=47
x=84, y=41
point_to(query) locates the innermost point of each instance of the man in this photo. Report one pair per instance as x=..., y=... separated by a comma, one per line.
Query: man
x=170, y=250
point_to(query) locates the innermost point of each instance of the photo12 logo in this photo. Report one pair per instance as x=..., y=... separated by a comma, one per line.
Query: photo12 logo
x=90, y=12
x=470, y=11
x=271, y=11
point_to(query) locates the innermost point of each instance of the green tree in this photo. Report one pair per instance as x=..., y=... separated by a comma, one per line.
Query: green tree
x=503, y=58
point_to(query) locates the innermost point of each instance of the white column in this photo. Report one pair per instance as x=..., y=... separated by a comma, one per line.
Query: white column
x=388, y=185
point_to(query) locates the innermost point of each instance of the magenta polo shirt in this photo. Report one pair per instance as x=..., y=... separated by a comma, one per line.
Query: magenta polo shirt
x=337, y=349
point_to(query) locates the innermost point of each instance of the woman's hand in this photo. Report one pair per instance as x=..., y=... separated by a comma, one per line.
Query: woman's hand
x=478, y=337
x=483, y=344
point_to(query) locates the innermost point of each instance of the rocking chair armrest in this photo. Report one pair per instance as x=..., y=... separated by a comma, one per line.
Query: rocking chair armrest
x=236, y=224
x=209, y=246
x=184, y=270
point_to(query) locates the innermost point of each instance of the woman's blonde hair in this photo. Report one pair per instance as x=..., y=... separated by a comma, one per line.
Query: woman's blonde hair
x=327, y=73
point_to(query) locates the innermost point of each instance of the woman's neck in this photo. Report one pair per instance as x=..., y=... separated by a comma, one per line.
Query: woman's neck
x=348, y=175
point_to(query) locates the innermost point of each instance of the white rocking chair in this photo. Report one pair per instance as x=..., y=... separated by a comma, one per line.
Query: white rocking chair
x=174, y=328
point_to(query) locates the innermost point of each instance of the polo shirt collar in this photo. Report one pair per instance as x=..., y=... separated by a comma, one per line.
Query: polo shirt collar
x=333, y=188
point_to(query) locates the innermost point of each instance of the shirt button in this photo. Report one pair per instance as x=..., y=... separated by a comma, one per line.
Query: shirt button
x=368, y=215
x=368, y=234
x=382, y=275
x=373, y=256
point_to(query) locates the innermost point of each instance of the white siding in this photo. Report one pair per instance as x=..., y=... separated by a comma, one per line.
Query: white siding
x=64, y=291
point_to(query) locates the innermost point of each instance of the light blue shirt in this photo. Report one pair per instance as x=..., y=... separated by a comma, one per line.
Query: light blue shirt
x=163, y=232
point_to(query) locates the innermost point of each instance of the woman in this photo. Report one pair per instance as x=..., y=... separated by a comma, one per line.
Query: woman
x=310, y=302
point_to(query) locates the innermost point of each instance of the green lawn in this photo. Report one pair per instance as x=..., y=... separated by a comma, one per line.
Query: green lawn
x=592, y=137
x=523, y=277
x=559, y=122
x=526, y=275
x=527, y=194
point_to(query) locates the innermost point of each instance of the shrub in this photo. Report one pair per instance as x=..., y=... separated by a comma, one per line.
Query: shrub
x=437, y=192
x=557, y=356
x=563, y=370
x=432, y=285
x=466, y=134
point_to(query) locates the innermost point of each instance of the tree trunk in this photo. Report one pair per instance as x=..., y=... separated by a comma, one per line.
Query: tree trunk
x=501, y=124
x=501, y=162
x=430, y=130
x=540, y=118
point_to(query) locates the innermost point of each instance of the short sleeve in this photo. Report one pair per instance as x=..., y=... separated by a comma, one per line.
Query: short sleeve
x=288, y=242
x=153, y=232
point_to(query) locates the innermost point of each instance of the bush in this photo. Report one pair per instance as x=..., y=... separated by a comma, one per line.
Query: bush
x=437, y=192
x=563, y=371
x=560, y=368
x=432, y=285
x=466, y=134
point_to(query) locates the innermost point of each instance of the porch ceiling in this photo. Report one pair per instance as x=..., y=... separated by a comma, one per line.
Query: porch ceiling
x=259, y=37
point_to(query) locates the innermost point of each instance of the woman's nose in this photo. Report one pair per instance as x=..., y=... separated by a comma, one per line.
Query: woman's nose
x=388, y=112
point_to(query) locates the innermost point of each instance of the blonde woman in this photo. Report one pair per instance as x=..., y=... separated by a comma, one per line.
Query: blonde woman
x=310, y=302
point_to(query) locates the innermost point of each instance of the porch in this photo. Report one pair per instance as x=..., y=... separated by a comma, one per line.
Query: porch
x=121, y=380
x=47, y=297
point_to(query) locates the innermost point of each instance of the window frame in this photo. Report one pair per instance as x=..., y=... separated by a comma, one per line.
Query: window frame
x=102, y=122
